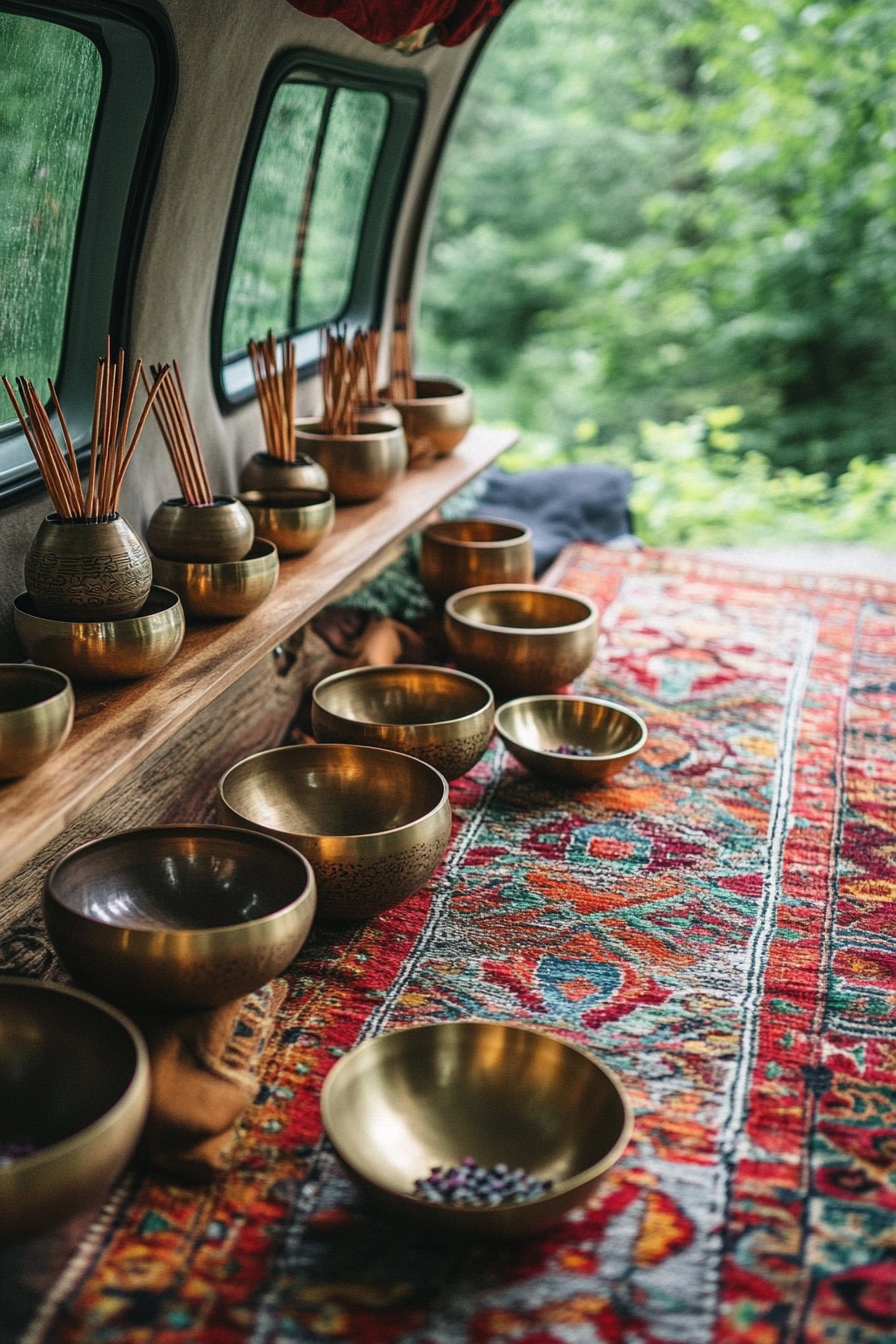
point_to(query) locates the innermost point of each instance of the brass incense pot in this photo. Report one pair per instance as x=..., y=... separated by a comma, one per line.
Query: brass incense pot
x=201, y=533
x=223, y=591
x=398, y=1105
x=107, y=650
x=438, y=417
x=37, y=709
x=84, y=569
x=294, y=520
x=471, y=552
x=373, y=824
x=440, y=716
x=574, y=739
x=359, y=466
x=74, y=1083
x=265, y=472
x=179, y=917
x=521, y=639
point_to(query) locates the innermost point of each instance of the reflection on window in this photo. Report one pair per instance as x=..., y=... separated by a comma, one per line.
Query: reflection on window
x=301, y=227
x=50, y=83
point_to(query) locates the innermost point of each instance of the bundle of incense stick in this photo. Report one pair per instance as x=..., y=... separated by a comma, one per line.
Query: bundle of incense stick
x=178, y=429
x=366, y=353
x=341, y=367
x=110, y=449
x=402, y=386
x=276, y=395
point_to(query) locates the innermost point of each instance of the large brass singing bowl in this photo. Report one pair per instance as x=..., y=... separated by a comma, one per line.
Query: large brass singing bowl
x=359, y=466
x=37, y=709
x=265, y=472
x=373, y=824
x=536, y=727
x=122, y=650
x=201, y=533
x=442, y=717
x=400, y=1104
x=224, y=591
x=294, y=520
x=74, y=1086
x=472, y=552
x=521, y=639
x=179, y=917
x=438, y=417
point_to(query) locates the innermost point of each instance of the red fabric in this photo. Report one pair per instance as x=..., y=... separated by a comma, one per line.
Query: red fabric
x=387, y=20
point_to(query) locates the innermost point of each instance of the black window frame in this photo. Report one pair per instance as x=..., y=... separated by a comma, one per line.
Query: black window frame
x=139, y=88
x=406, y=91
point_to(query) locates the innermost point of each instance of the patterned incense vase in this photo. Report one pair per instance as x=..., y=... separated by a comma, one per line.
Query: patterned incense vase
x=77, y=569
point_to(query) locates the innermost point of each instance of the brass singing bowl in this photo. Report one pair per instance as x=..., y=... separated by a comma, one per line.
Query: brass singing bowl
x=74, y=1083
x=472, y=552
x=87, y=570
x=360, y=466
x=400, y=1104
x=178, y=917
x=438, y=417
x=295, y=520
x=534, y=727
x=265, y=472
x=200, y=533
x=37, y=709
x=122, y=650
x=224, y=591
x=521, y=639
x=373, y=824
x=442, y=717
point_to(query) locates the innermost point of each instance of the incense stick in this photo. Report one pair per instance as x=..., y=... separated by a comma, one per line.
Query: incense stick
x=178, y=429
x=276, y=388
x=402, y=386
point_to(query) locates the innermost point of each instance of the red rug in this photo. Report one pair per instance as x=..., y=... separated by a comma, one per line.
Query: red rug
x=717, y=926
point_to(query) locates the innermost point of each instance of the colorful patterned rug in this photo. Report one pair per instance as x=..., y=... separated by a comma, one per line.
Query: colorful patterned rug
x=717, y=926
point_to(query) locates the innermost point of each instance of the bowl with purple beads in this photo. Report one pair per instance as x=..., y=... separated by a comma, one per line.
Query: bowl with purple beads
x=475, y=1129
x=577, y=740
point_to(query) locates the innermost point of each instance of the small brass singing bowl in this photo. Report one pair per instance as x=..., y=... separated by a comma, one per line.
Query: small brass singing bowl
x=37, y=709
x=123, y=650
x=439, y=716
x=361, y=466
x=294, y=520
x=536, y=729
x=178, y=917
x=201, y=533
x=225, y=591
x=265, y=472
x=521, y=639
x=438, y=417
x=74, y=1079
x=398, y=1105
x=373, y=824
x=472, y=552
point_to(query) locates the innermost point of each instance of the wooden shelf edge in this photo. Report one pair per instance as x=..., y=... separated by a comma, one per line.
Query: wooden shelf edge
x=118, y=727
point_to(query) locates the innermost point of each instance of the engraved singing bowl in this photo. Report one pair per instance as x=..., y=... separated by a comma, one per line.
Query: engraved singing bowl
x=37, y=709
x=224, y=591
x=265, y=472
x=78, y=570
x=360, y=466
x=521, y=639
x=400, y=1104
x=121, y=650
x=373, y=824
x=439, y=716
x=295, y=520
x=472, y=552
x=438, y=417
x=201, y=533
x=178, y=917
x=535, y=727
x=74, y=1084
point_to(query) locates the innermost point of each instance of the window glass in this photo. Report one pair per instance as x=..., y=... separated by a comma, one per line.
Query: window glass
x=298, y=240
x=50, y=84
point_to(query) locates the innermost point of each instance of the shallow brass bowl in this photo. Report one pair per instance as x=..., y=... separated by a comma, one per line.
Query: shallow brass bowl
x=201, y=533
x=373, y=824
x=438, y=417
x=294, y=520
x=265, y=472
x=224, y=591
x=37, y=709
x=74, y=1083
x=79, y=570
x=533, y=727
x=522, y=639
x=442, y=717
x=471, y=552
x=178, y=917
x=359, y=466
x=400, y=1104
x=122, y=650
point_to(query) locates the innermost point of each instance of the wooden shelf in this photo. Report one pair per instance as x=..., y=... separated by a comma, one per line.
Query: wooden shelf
x=117, y=727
